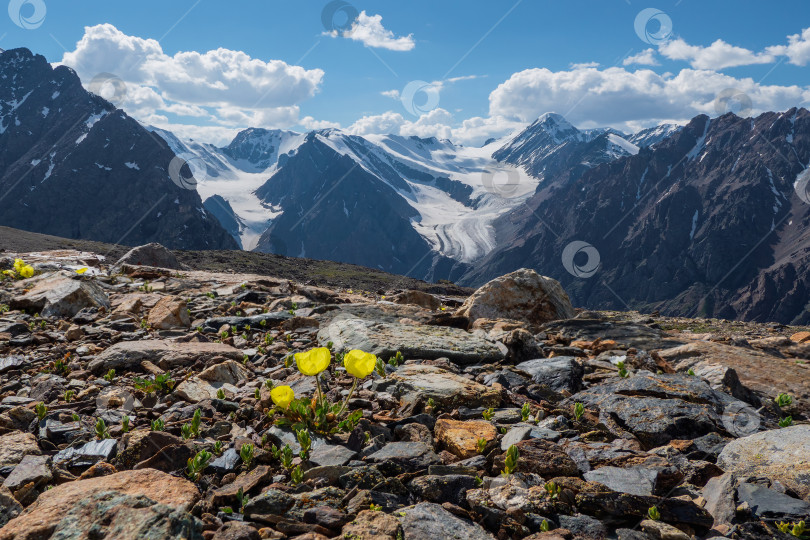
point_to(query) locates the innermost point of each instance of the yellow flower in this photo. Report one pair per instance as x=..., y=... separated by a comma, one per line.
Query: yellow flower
x=81, y=271
x=26, y=271
x=359, y=363
x=18, y=264
x=282, y=396
x=313, y=361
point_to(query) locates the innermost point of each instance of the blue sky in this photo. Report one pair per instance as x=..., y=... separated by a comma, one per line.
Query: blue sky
x=487, y=67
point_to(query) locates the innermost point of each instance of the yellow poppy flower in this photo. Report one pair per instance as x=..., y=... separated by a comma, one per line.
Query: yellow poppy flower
x=313, y=361
x=26, y=271
x=359, y=363
x=81, y=271
x=18, y=264
x=282, y=396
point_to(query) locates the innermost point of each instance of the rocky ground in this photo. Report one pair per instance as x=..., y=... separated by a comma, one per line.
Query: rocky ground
x=135, y=402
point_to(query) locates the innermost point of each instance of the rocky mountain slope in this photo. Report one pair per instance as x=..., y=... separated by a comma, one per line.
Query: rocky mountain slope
x=433, y=202
x=151, y=401
x=73, y=165
x=706, y=222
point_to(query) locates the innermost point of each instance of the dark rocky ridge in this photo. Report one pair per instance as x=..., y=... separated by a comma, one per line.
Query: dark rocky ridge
x=74, y=166
x=732, y=177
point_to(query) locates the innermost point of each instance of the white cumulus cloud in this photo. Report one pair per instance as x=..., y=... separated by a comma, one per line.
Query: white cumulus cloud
x=718, y=55
x=368, y=30
x=235, y=88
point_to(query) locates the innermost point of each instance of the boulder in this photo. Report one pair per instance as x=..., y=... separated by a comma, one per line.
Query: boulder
x=153, y=254
x=61, y=295
x=461, y=437
x=657, y=408
x=31, y=469
x=165, y=353
x=385, y=339
x=558, y=373
x=781, y=455
x=429, y=520
x=127, y=504
x=522, y=295
x=418, y=298
x=372, y=525
x=170, y=312
x=414, y=384
x=15, y=446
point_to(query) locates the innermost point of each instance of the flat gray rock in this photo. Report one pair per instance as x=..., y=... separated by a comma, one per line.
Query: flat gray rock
x=633, y=480
x=558, y=373
x=778, y=454
x=163, y=352
x=770, y=504
x=425, y=342
x=429, y=520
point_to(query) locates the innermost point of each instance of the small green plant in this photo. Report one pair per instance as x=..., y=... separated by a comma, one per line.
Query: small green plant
x=144, y=324
x=653, y=513
x=525, y=411
x=786, y=421
x=192, y=430
x=511, y=462
x=268, y=339
x=379, y=368
x=41, y=411
x=257, y=393
x=243, y=500
x=110, y=375
x=59, y=367
x=125, y=424
x=245, y=359
x=488, y=414
x=263, y=323
x=553, y=489
x=396, y=360
x=478, y=481
x=4, y=308
x=101, y=429
x=217, y=448
x=220, y=394
x=268, y=383
x=297, y=475
x=69, y=395
x=197, y=464
x=796, y=529
x=157, y=425
x=305, y=441
x=162, y=384
x=579, y=410
x=690, y=372
x=545, y=526
x=246, y=453
x=431, y=403
x=783, y=400
x=285, y=455
x=210, y=294
x=375, y=507
x=622, y=370
x=481, y=445
x=75, y=417
x=146, y=287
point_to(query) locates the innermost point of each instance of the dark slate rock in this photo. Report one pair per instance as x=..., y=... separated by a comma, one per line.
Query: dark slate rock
x=87, y=454
x=558, y=373
x=770, y=504
x=225, y=463
x=411, y=456
x=658, y=408
x=450, y=488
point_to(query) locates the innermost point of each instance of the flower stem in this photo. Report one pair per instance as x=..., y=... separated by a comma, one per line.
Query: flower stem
x=346, y=401
x=320, y=392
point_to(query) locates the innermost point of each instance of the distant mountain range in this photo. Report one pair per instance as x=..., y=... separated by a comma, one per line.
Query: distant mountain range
x=73, y=165
x=699, y=219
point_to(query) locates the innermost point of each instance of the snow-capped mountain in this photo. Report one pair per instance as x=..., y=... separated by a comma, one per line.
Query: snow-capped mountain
x=551, y=145
x=447, y=195
x=710, y=221
x=651, y=136
x=72, y=165
x=438, y=200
